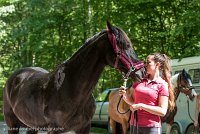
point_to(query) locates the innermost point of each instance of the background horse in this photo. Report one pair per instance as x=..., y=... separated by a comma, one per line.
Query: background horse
x=115, y=117
x=62, y=100
x=181, y=83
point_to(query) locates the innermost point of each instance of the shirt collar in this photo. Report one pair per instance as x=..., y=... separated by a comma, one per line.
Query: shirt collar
x=158, y=80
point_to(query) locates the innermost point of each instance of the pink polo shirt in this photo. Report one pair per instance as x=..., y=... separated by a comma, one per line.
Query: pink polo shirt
x=148, y=93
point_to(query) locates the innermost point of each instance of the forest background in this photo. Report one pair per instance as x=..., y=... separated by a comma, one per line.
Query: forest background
x=44, y=33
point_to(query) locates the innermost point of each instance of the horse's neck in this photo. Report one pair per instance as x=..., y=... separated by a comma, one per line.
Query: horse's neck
x=174, y=80
x=84, y=69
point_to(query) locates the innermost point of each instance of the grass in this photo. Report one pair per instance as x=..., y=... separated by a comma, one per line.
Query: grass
x=99, y=130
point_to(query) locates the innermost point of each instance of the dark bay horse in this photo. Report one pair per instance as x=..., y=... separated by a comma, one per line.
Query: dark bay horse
x=181, y=83
x=61, y=100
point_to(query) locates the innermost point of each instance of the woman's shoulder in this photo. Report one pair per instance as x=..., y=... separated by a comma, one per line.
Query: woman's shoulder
x=162, y=84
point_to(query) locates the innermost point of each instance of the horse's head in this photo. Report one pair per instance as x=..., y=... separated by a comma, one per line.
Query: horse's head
x=184, y=84
x=124, y=58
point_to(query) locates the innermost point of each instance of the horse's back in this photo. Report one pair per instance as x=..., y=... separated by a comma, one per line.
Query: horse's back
x=112, y=94
x=22, y=75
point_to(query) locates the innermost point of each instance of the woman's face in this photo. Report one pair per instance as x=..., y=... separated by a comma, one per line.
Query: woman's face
x=151, y=65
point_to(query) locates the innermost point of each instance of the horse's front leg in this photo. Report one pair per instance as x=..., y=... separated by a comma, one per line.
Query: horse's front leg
x=125, y=126
x=84, y=130
x=113, y=126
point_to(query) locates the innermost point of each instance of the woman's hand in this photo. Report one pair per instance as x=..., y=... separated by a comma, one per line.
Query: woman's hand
x=135, y=107
x=122, y=90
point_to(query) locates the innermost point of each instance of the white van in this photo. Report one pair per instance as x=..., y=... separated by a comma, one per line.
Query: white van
x=183, y=121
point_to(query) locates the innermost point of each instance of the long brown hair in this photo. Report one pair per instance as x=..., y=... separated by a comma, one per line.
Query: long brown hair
x=165, y=67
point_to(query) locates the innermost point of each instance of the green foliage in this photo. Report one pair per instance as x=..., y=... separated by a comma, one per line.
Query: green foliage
x=99, y=130
x=45, y=33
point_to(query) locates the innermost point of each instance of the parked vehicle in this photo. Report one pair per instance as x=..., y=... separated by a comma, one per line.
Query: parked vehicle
x=101, y=118
x=183, y=121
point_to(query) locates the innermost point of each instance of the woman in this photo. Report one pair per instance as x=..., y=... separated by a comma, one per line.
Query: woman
x=152, y=96
x=197, y=114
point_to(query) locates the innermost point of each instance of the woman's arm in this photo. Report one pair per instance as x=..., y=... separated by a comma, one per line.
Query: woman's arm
x=159, y=110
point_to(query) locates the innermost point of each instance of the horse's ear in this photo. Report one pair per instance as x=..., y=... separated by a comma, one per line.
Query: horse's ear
x=109, y=26
x=183, y=71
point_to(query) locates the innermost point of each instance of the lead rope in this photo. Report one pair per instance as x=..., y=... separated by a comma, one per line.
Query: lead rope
x=125, y=78
x=136, y=120
x=124, y=84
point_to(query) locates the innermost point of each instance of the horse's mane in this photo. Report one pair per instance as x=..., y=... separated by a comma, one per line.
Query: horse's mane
x=117, y=31
x=93, y=38
x=87, y=42
x=121, y=35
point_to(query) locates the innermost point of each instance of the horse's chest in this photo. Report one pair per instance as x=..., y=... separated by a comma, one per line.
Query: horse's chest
x=72, y=117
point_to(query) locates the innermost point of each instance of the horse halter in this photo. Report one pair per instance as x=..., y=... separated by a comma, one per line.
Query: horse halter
x=130, y=65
